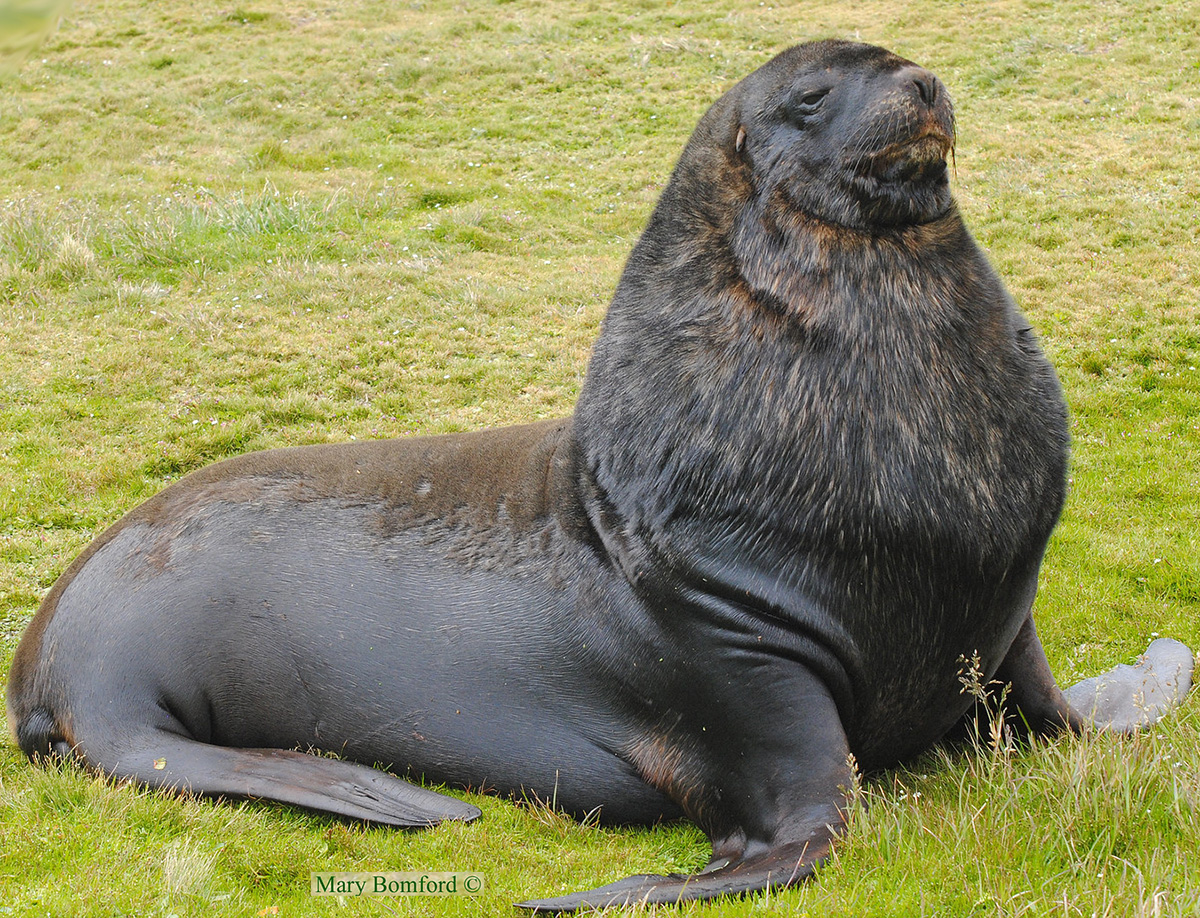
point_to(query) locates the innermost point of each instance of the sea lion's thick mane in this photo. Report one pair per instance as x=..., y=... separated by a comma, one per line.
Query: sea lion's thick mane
x=839, y=301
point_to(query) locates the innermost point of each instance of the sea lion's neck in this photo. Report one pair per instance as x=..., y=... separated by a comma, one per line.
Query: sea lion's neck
x=800, y=379
x=817, y=271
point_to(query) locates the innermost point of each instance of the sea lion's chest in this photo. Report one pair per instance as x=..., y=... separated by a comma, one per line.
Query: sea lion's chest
x=854, y=437
x=902, y=422
x=893, y=384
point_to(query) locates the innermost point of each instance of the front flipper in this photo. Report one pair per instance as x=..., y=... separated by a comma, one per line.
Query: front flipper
x=777, y=867
x=763, y=770
x=1124, y=699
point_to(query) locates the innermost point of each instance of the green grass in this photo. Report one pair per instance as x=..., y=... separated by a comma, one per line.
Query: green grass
x=225, y=228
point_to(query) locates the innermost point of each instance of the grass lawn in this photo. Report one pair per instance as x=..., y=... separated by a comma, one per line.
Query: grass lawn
x=225, y=228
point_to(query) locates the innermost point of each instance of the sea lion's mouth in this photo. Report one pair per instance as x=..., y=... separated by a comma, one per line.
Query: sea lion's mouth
x=929, y=145
x=918, y=158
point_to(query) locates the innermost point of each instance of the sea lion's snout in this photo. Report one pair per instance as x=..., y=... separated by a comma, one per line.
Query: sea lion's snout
x=932, y=113
x=915, y=129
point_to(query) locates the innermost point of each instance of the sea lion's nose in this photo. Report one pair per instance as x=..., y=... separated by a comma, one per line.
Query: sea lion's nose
x=924, y=83
x=927, y=88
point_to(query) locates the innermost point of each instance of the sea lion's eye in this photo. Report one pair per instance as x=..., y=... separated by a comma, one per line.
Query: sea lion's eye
x=804, y=104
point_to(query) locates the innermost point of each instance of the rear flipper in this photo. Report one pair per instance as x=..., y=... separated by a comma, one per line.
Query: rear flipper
x=339, y=788
x=778, y=867
x=1128, y=698
x=1123, y=700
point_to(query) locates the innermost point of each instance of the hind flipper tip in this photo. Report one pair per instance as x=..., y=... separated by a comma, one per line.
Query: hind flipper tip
x=333, y=787
x=1129, y=698
x=350, y=790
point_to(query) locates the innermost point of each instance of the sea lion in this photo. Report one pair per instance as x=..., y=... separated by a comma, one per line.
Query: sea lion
x=814, y=465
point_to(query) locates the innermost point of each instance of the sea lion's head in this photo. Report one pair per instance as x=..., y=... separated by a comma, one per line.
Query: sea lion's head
x=844, y=133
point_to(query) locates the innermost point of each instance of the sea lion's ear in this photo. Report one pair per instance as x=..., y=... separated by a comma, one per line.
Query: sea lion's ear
x=741, y=139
